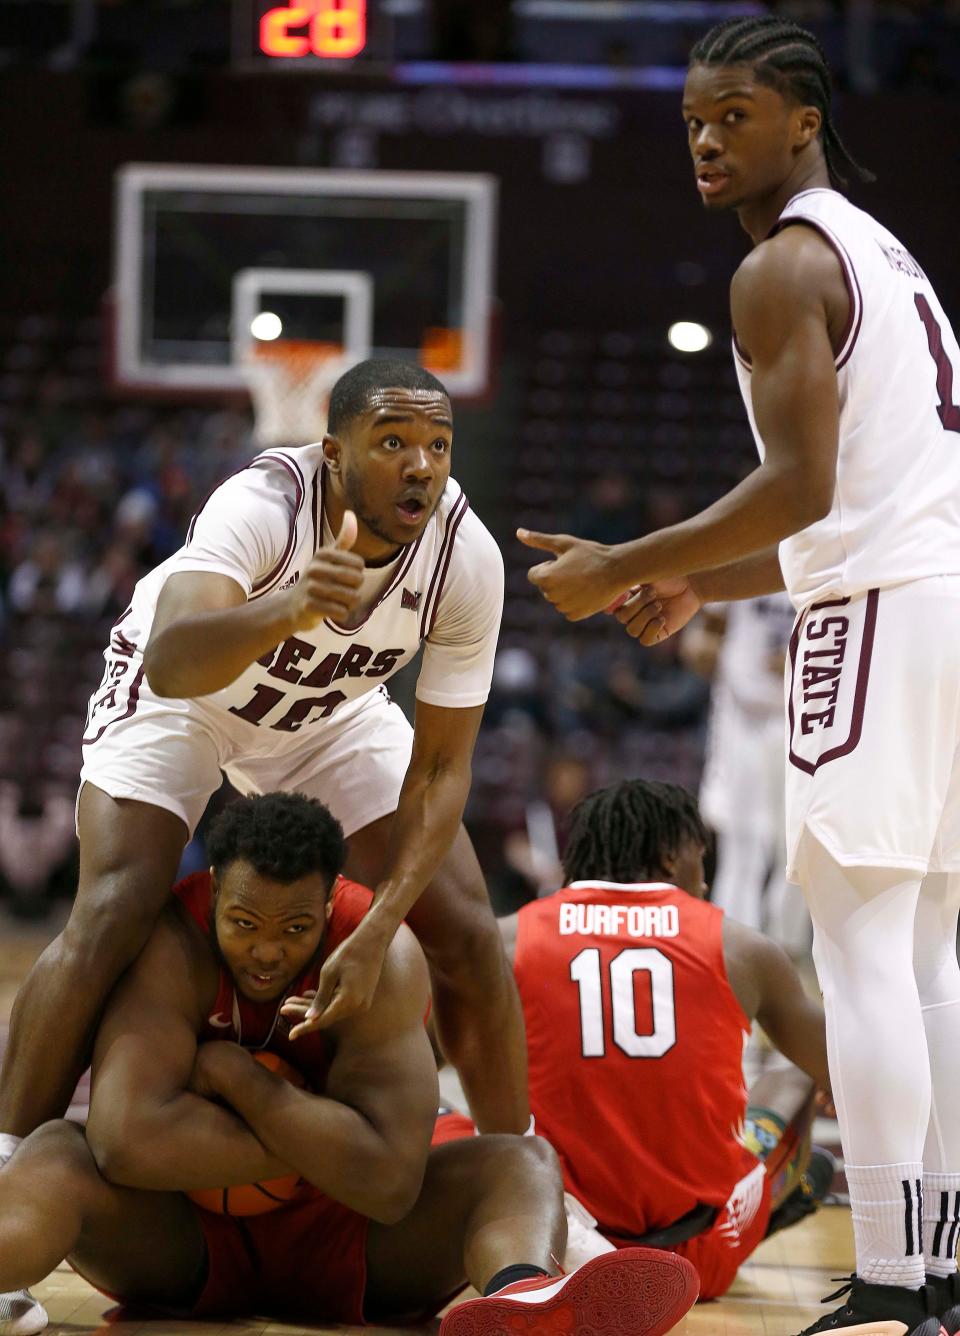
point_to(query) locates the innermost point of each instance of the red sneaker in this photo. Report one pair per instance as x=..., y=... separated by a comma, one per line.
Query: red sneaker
x=631, y=1292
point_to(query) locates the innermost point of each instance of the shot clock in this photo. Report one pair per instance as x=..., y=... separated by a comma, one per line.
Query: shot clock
x=271, y=34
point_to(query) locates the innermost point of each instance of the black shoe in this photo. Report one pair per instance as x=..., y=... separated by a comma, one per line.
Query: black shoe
x=815, y=1182
x=931, y=1327
x=878, y=1303
x=946, y=1290
x=951, y=1320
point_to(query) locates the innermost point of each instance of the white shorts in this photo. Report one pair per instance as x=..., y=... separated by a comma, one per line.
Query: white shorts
x=873, y=726
x=171, y=753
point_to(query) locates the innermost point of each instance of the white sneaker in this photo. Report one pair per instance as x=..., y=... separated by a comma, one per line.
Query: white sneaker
x=584, y=1240
x=21, y=1314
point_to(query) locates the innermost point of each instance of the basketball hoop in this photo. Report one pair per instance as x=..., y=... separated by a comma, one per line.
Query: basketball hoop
x=290, y=382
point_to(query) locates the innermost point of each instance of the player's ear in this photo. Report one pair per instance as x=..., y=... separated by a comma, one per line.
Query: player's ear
x=668, y=865
x=332, y=453
x=809, y=123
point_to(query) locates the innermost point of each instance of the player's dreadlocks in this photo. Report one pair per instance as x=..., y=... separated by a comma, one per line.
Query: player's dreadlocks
x=789, y=59
x=351, y=393
x=624, y=832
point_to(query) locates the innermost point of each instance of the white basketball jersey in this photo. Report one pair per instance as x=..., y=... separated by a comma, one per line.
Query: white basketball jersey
x=896, y=510
x=262, y=527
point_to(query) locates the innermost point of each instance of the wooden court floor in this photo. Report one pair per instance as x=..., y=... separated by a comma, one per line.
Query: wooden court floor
x=776, y=1294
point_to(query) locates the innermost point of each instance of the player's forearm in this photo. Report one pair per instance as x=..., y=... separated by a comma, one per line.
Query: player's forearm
x=749, y=578
x=187, y=1142
x=423, y=829
x=206, y=651
x=331, y=1145
x=768, y=506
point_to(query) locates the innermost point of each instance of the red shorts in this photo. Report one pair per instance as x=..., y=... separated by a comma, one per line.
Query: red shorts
x=720, y=1252
x=306, y=1261
x=717, y=1254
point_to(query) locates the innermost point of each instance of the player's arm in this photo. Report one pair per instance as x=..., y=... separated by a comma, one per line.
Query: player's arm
x=205, y=633
x=780, y=300
x=147, y=1128
x=451, y=690
x=432, y=799
x=655, y=611
x=365, y=1141
x=769, y=989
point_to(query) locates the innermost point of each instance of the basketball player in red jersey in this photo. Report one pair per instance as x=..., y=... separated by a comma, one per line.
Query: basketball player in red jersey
x=639, y=997
x=384, y=1229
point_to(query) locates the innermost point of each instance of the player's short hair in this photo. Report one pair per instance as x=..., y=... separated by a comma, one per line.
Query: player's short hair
x=789, y=59
x=284, y=836
x=623, y=833
x=351, y=394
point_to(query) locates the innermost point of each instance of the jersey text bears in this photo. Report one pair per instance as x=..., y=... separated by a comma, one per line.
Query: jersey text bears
x=290, y=663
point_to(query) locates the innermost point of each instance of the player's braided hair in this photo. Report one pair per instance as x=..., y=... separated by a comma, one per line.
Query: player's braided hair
x=791, y=60
x=284, y=836
x=624, y=832
x=351, y=393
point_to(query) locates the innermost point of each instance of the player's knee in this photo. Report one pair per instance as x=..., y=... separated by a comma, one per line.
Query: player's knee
x=525, y=1160
x=60, y=1147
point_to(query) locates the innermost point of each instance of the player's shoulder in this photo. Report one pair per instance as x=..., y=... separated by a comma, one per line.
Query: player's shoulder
x=793, y=265
x=351, y=900
x=177, y=962
x=291, y=470
x=753, y=962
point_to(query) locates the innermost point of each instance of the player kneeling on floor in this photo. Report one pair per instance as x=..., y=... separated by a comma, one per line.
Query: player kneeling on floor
x=380, y=1226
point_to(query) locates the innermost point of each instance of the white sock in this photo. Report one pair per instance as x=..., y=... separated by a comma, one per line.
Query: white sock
x=8, y=1144
x=886, y=1201
x=941, y=1223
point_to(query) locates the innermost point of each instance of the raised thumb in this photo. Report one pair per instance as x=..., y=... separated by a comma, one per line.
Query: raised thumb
x=348, y=532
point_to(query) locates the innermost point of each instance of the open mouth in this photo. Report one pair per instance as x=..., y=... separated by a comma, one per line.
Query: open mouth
x=711, y=180
x=262, y=982
x=412, y=509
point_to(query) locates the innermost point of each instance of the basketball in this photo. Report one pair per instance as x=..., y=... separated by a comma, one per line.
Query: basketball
x=255, y=1198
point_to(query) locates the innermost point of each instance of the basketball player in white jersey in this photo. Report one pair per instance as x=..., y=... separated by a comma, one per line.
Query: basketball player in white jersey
x=260, y=649
x=851, y=377
x=741, y=647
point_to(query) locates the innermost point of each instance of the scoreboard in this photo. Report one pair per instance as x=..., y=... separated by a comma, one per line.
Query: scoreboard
x=304, y=33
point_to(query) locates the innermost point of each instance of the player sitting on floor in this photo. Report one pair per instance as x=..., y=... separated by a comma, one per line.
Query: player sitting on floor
x=639, y=998
x=379, y=1225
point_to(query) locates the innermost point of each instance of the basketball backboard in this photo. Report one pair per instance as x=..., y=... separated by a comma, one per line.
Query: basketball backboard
x=425, y=241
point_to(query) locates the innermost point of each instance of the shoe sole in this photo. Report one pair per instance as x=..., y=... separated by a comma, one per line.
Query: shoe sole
x=892, y=1328
x=632, y=1292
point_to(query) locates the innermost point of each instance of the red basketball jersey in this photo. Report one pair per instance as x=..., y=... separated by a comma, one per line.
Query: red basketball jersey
x=636, y=1045
x=259, y=1025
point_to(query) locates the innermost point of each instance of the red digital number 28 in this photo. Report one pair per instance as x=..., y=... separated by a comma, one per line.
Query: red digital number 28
x=949, y=411
x=337, y=29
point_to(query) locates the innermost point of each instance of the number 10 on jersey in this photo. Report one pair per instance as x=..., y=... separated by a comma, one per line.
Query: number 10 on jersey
x=586, y=970
x=331, y=29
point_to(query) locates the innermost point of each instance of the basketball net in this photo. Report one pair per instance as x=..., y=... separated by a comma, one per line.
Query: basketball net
x=290, y=382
